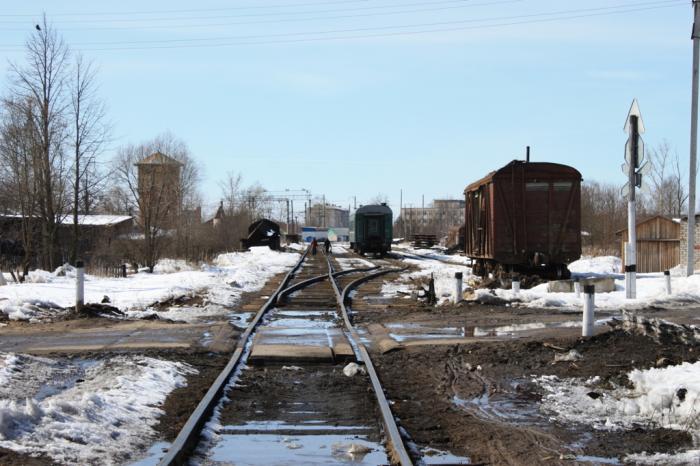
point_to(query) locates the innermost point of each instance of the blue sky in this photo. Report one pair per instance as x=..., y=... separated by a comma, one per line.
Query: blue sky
x=325, y=95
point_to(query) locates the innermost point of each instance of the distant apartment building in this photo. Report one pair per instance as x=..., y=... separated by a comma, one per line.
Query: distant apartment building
x=436, y=218
x=327, y=215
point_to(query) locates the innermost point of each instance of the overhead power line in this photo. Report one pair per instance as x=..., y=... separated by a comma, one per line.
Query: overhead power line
x=458, y=25
x=150, y=26
x=251, y=15
x=191, y=10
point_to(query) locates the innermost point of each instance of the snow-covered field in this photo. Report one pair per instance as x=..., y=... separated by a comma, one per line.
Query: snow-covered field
x=651, y=289
x=231, y=275
x=668, y=397
x=84, y=411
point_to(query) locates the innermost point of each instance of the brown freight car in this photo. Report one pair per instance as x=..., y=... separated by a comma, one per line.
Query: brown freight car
x=524, y=218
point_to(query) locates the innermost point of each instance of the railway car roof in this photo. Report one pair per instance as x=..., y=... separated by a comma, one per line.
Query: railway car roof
x=374, y=209
x=548, y=167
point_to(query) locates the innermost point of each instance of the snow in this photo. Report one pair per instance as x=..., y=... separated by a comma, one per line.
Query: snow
x=442, y=272
x=651, y=289
x=602, y=265
x=435, y=253
x=172, y=266
x=97, y=220
x=222, y=284
x=666, y=397
x=85, y=411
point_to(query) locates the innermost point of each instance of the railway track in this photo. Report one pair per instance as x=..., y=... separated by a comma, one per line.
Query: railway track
x=284, y=398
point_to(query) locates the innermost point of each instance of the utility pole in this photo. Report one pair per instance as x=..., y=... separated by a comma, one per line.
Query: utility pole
x=401, y=212
x=693, y=139
x=634, y=156
x=324, y=211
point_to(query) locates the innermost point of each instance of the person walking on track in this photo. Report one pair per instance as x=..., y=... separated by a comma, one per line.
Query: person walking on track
x=327, y=246
x=314, y=245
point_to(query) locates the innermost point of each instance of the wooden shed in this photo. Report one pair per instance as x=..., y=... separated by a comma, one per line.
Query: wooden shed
x=658, y=244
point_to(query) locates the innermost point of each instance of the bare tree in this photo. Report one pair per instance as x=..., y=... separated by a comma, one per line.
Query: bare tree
x=39, y=86
x=380, y=198
x=89, y=135
x=668, y=192
x=159, y=199
x=18, y=153
x=603, y=213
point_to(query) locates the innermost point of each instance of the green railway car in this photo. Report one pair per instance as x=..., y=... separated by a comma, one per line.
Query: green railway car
x=372, y=226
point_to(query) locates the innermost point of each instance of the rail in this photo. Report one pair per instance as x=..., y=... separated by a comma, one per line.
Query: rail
x=188, y=437
x=362, y=355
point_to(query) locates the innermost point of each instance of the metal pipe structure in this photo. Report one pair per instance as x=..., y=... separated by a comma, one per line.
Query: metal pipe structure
x=588, y=310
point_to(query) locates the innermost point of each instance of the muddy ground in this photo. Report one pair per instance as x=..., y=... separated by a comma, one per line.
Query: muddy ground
x=424, y=383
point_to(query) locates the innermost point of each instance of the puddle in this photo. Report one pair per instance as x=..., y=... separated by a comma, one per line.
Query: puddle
x=508, y=330
x=304, y=336
x=266, y=449
x=308, y=425
x=597, y=460
x=300, y=323
x=154, y=454
x=514, y=408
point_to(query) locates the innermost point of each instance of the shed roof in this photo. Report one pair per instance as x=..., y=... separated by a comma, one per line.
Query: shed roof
x=649, y=220
x=158, y=158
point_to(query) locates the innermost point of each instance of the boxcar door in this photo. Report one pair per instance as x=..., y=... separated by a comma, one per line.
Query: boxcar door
x=537, y=198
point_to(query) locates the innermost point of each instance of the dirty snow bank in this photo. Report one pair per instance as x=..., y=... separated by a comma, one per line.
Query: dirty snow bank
x=404, y=249
x=231, y=275
x=443, y=273
x=651, y=289
x=668, y=397
x=85, y=411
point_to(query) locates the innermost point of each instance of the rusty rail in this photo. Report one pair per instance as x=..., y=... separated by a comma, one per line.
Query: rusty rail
x=362, y=355
x=189, y=436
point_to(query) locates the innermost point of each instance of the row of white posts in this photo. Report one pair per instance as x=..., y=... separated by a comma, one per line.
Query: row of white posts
x=588, y=298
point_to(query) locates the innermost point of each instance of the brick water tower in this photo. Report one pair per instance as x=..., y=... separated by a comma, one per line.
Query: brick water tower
x=159, y=186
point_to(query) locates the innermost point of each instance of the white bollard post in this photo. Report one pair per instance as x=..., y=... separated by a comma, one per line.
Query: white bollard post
x=79, y=285
x=577, y=287
x=588, y=310
x=667, y=276
x=515, y=287
x=458, y=287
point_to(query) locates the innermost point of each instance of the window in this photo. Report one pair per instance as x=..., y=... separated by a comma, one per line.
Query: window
x=536, y=186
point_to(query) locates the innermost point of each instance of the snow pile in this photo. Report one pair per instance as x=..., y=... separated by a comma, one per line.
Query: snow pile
x=442, y=273
x=99, y=414
x=241, y=272
x=437, y=253
x=668, y=397
x=223, y=284
x=31, y=309
x=172, y=266
x=9, y=363
x=602, y=265
x=651, y=290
